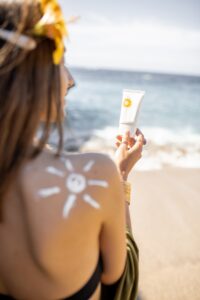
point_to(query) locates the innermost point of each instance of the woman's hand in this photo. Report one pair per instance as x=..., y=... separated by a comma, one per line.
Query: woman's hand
x=129, y=151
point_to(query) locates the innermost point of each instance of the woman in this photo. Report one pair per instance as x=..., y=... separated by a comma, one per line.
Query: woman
x=63, y=221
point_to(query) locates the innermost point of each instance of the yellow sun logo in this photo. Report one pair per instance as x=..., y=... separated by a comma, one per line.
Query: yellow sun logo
x=127, y=102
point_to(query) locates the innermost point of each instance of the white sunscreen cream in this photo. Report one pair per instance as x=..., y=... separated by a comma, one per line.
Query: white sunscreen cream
x=131, y=103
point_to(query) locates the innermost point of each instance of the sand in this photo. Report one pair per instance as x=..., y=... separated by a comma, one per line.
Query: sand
x=165, y=215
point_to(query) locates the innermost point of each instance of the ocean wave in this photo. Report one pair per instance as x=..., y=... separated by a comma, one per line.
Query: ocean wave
x=165, y=147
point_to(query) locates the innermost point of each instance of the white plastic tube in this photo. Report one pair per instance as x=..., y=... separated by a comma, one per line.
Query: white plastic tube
x=131, y=103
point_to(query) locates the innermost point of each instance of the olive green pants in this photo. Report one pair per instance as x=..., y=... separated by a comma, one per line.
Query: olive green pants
x=127, y=286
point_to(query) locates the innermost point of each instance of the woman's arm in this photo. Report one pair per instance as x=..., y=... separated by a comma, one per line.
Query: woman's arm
x=128, y=153
x=117, y=216
x=112, y=236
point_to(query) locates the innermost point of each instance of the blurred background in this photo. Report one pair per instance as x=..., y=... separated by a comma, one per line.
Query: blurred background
x=148, y=45
x=152, y=46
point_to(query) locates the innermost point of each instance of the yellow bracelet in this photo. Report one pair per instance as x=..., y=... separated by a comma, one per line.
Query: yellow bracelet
x=127, y=191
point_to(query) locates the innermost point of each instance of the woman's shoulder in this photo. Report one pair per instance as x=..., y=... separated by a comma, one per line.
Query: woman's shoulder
x=48, y=155
x=58, y=189
x=96, y=167
x=92, y=160
x=87, y=162
x=93, y=165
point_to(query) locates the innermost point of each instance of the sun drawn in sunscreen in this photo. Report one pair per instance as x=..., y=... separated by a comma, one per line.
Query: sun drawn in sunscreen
x=76, y=183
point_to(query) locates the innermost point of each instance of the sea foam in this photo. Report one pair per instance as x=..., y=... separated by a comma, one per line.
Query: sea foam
x=165, y=148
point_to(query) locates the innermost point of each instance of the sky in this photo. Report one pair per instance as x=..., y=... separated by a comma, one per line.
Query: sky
x=144, y=35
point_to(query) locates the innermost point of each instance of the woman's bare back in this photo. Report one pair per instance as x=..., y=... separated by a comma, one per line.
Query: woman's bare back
x=54, y=202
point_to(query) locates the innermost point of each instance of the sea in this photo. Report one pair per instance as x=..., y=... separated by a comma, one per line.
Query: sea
x=169, y=117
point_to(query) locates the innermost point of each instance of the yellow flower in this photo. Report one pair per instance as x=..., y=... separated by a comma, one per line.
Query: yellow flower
x=52, y=25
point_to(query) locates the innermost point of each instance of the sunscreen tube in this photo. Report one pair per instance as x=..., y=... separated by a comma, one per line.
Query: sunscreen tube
x=129, y=110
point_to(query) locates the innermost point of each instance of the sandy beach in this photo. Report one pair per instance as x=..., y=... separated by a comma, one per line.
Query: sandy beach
x=165, y=214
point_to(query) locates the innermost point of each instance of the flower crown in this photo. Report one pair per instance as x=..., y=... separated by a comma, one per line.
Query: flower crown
x=51, y=25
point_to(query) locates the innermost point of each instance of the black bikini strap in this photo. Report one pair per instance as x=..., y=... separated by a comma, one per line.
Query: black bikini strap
x=88, y=289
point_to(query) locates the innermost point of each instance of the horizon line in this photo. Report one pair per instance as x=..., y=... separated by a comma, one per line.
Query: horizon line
x=133, y=71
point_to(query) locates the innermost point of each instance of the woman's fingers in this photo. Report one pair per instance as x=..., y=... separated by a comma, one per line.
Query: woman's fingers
x=125, y=140
x=133, y=145
x=130, y=140
x=139, y=132
x=117, y=144
x=137, y=147
x=119, y=137
x=129, y=151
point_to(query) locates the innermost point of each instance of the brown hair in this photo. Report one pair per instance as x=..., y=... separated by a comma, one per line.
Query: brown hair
x=29, y=86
